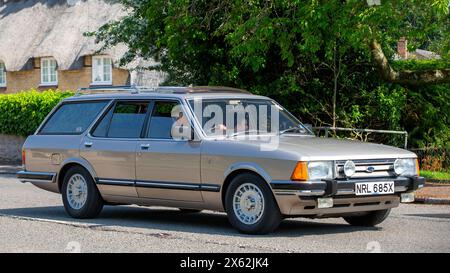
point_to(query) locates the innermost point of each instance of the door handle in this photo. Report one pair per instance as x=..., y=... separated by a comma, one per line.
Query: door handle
x=88, y=144
x=145, y=146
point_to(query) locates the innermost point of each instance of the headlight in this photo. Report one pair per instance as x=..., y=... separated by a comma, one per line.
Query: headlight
x=320, y=170
x=405, y=166
x=314, y=170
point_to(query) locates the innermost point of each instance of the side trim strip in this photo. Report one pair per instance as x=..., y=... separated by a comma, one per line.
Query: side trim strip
x=210, y=187
x=36, y=177
x=115, y=182
x=178, y=186
x=166, y=185
x=160, y=185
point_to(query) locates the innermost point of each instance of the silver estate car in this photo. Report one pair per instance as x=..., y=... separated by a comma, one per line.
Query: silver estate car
x=210, y=148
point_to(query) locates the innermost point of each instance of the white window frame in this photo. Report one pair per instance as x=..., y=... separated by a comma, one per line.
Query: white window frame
x=48, y=69
x=3, y=73
x=105, y=69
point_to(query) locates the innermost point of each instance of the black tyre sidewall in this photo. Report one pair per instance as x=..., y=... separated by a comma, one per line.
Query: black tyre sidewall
x=271, y=217
x=94, y=202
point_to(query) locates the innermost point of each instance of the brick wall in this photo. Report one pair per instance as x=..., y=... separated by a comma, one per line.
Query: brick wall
x=402, y=48
x=67, y=79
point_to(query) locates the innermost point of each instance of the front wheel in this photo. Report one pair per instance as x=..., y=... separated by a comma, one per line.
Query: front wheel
x=370, y=219
x=250, y=205
x=80, y=195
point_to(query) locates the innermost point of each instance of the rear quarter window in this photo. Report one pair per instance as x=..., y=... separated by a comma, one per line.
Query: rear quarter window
x=72, y=118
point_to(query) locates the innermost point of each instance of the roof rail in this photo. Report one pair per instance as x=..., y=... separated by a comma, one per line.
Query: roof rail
x=134, y=89
x=212, y=89
x=118, y=88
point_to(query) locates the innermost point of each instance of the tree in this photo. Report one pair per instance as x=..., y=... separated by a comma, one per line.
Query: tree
x=420, y=77
x=315, y=50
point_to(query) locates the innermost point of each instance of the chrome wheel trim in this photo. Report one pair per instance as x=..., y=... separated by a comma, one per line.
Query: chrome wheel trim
x=77, y=191
x=248, y=203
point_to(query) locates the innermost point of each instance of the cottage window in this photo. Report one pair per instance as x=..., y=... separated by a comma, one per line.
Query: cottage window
x=2, y=75
x=49, y=74
x=101, y=70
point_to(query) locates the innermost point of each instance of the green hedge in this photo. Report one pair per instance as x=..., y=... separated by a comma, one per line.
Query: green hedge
x=21, y=113
x=420, y=64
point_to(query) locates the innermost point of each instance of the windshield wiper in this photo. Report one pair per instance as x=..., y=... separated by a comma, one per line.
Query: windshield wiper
x=243, y=132
x=292, y=129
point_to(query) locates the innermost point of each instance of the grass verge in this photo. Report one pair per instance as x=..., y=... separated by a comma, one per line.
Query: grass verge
x=432, y=175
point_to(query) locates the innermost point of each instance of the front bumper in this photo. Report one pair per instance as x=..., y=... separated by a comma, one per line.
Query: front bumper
x=333, y=187
x=300, y=198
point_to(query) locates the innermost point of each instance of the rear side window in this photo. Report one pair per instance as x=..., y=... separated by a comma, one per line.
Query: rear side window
x=102, y=128
x=125, y=120
x=73, y=118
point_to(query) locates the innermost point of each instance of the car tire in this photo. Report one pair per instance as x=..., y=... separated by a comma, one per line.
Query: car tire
x=80, y=195
x=257, y=211
x=370, y=219
x=190, y=210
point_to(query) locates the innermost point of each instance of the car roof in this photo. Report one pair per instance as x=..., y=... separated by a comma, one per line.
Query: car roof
x=134, y=92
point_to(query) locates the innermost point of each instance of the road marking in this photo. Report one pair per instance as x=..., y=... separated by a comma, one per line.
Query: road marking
x=161, y=235
x=421, y=218
x=69, y=223
x=99, y=227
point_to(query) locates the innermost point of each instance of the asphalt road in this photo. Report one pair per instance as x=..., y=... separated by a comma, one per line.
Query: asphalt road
x=33, y=220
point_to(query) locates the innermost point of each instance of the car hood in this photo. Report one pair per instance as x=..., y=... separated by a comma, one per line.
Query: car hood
x=318, y=148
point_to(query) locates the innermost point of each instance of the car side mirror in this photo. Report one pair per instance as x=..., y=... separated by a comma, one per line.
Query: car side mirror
x=182, y=132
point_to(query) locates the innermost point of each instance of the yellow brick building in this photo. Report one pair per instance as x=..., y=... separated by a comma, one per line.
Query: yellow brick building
x=42, y=46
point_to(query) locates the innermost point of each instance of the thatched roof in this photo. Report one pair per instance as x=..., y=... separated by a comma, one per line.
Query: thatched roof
x=39, y=28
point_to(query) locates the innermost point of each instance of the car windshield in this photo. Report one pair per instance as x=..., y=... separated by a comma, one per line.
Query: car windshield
x=233, y=117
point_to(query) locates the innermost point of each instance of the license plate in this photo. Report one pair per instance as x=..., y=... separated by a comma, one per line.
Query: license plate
x=374, y=188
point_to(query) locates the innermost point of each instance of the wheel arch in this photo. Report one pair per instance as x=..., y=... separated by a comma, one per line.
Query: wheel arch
x=71, y=162
x=240, y=168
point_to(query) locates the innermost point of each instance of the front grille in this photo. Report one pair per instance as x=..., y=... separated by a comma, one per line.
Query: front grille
x=381, y=168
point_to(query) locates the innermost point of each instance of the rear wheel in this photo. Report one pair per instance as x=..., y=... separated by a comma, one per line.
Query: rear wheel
x=370, y=219
x=80, y=194
x=250, y=205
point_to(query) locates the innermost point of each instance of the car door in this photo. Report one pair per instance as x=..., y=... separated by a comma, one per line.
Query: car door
x=167, y=168
x=111, y=147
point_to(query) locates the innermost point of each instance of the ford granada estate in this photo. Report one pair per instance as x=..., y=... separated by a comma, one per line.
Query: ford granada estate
x=210, y=148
